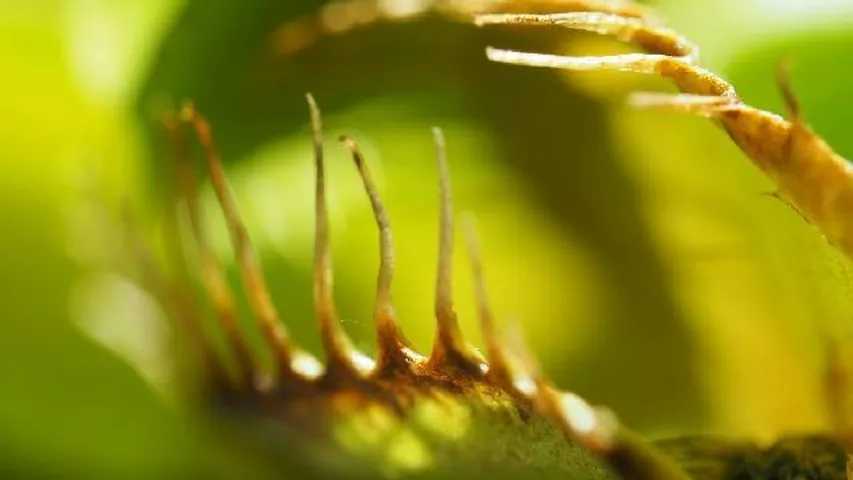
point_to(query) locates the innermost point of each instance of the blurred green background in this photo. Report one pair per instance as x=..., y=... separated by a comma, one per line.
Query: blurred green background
x=639, y=251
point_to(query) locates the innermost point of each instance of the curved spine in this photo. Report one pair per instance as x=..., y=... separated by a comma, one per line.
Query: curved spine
x=212, y=274
x=342, y=359
x=394, y=353
x=449, y=348
x=291, y=362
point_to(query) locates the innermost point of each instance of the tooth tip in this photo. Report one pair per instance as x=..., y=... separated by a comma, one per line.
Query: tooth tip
x=212, y=276
x=188, y=111
x=450, y=348
x=351, y=145
x=344, y=361
x=253, y=279
x=393, y=348
x=312, y=106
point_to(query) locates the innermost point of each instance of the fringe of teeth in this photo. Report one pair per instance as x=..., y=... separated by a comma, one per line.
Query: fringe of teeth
x=298, y=371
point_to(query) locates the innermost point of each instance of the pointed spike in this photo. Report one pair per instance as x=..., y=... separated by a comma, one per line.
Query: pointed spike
x=444, y=285
x=324, y=303
x=783, y=79
x=386, y=246
x=652, y=38
x=213, y=276
x=632, y=62
x=665, y=100
x=450, y=347
x=516, y=373
x=177, y=303
x=394, y=349
x=704, y=105
x=527, y=374
x=292, y=363
x=688, y=77
x=616, y=7
x=626, y=8
x=343, y=359
x=511, y=364
x=494, y=349
x=223, y=302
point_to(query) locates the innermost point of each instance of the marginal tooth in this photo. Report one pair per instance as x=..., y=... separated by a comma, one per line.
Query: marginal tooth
x=671, y=55
x=223, y=302
x=654, y=39
x=450, y=349
x=689, y=78
x=213, y=277
x=343, y=359
x=632, y=62
x=616, y=7
x=394, y=350
x=293, y=364
x=510, y=363
x=704, y=105
x=177, y=302
x=783, y=79
x=500, y=368
x=526, y=375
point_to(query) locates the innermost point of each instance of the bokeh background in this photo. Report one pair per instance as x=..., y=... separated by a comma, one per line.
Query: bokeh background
x=641, y=254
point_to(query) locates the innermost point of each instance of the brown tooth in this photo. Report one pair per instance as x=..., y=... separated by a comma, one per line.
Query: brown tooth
x=652, y=38
x=177, y=302
x=395, y=352
x=450, y=349
x=213, y=278
x=344, y=361
x=500, y=367
x=783, y=80
x=616, y=7
x=293, y=364
x=670, y=55
x=711, y=106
